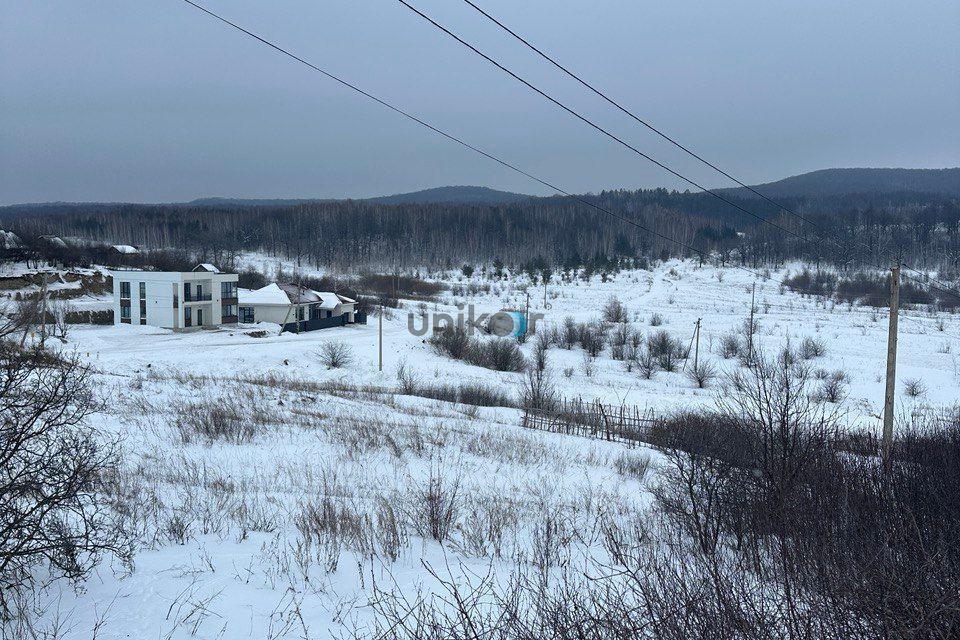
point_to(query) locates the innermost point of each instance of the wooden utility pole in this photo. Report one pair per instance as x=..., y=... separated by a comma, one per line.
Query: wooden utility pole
x=43, y=310
x=696, y=351
x=891, y=364
x=381, y=336
x=526, y=315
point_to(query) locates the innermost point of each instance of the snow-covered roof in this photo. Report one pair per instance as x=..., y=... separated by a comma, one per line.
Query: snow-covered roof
x=125, y=248
x=346, y=300
x=54, y=240
x=287, y=294
x=206, y=266
x=9, y=240
x=270, y=294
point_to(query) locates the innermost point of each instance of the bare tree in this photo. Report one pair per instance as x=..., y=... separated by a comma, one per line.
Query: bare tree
x=52, y=466
x=59, y=311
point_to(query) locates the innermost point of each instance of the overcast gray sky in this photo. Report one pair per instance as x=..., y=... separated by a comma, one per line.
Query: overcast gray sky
x=152, y=101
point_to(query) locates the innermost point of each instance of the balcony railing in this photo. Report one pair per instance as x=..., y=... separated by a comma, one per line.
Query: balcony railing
x=203, y=297
x=229, y=320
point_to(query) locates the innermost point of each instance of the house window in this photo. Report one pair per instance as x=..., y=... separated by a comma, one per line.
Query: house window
x=300, y=314
x=246, y=315
x=143, y=290
x=187, y=317
x=143, y=311
x=228, y=289
x=315, y=312
x=124, y=290
x=125, y=312
x=186, y=292
x=229, y=310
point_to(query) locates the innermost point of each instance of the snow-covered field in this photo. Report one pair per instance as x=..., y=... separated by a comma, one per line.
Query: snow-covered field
x=336, y=487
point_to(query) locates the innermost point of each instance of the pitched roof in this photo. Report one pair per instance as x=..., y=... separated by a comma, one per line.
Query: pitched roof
x=270, y=294
x=206, y=266
x=125, y=248
x=287, y=294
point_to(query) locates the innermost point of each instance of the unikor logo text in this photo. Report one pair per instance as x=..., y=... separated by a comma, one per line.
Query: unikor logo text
x=505, y=324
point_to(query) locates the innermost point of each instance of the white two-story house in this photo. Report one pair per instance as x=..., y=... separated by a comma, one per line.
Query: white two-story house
x=204, y=297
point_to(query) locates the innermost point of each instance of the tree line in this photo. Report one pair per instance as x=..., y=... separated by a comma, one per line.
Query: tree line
x=871, y=230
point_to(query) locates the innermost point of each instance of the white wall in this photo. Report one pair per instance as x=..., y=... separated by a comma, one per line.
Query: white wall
x=160, y=286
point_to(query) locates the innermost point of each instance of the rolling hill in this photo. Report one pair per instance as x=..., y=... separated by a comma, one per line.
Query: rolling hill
x=838, y=182
x=437, y=195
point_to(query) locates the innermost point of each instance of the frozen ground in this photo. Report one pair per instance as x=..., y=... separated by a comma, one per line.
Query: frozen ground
x=290, y=527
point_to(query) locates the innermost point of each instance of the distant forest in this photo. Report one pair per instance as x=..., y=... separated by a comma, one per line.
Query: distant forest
x=849, y=230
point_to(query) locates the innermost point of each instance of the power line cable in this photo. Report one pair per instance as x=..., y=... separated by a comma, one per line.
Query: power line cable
x=593, y=124
x=643, y=122
x=629, y=113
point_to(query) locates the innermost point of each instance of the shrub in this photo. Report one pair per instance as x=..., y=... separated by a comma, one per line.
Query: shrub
x=619, y=340
x=665, y=350
x=538, y=391
x=451, y=341
x=812, y=348
x=103, y=317
x=434, y=506
x=499, y=354
x=702, y=373
x=250, y=278
x=483, y=396
x=541, y=345
x=914, y=387
x=569, y=335
x=730, y=346
x=407, y=379
x=335, y=355
x=833, y=388
x=647, y=363
x=614, y=312
x=592, y=338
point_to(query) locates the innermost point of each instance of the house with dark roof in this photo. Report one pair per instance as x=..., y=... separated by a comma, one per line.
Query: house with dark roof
x=297, y=308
